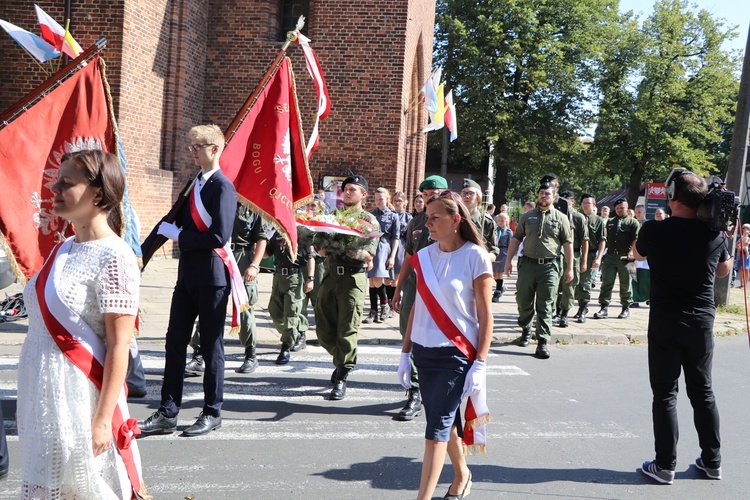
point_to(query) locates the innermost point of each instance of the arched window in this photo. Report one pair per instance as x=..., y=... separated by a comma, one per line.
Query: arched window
x=290, y=11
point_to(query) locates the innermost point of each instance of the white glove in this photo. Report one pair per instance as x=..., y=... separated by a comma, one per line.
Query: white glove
x=404, y=370
x=169, y=230
x=476, y=379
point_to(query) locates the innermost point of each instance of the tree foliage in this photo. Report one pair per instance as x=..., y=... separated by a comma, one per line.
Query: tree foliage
x=532, y=76
x=668, y=92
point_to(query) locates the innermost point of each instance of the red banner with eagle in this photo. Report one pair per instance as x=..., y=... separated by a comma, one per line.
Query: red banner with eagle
x=72, y=117
x=266, y=158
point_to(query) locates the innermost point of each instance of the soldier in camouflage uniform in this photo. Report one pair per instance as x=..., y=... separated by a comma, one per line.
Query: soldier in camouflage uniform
x=341, y=298
x=622, y=231
x=580, y=251
x=543, y=231
x=597, y=243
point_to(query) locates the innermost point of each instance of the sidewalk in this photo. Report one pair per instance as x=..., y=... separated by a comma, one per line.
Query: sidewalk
x=160, y=275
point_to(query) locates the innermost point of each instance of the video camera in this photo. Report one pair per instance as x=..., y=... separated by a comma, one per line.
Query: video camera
x=720, y=207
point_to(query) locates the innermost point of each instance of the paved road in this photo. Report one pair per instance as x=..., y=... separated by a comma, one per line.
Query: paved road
x=576, y=426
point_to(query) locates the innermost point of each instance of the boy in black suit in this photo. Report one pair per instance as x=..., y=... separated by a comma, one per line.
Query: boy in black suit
x=203, y=287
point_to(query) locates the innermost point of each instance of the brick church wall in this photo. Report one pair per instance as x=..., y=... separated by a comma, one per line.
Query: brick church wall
x=173, y=64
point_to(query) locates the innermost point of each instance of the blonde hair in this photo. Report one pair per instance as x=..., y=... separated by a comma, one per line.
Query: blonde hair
x=208, y=134
x=382, y=190
x=502, y=215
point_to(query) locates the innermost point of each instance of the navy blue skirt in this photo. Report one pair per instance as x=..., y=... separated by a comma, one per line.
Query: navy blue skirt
x=442, y=372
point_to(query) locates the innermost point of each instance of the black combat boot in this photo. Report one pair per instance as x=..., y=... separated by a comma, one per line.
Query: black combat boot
x=284, y=355
x=413, y=406
x=541, y=350
x=602, y=313
x=339, y=385
x=523, y=341
x=301, y=342
x=625, y=313
x=196, y=364
x=563, y=321
x=250, y=363
x=582, y=312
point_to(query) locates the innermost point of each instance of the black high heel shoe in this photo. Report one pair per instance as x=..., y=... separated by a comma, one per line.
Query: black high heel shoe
x=464, y=493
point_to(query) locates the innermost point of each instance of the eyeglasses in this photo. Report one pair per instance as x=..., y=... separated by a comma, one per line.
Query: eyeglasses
x=194, y=148
x=468, y=193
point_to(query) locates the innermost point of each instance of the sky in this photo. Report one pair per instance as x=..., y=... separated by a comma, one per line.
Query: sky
x=735, y=12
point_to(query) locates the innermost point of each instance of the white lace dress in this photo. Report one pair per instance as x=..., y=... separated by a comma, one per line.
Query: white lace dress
x=56, y=401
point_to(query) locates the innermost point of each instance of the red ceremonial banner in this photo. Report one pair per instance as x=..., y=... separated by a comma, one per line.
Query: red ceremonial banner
x=72, y=117
x=266, y=159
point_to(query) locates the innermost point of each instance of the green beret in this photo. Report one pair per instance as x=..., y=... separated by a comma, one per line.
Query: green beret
x=433, y=182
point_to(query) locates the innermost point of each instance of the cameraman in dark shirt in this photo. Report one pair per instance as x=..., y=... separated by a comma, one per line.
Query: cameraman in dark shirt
x=685, y=256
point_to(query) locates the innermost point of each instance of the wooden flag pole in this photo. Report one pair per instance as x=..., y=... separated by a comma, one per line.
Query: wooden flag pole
x=291, y=36
x=19, y=107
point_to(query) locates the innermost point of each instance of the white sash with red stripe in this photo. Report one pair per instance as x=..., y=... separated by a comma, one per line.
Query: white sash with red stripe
x=240, y=301
x=447, y=318
x=86, y=350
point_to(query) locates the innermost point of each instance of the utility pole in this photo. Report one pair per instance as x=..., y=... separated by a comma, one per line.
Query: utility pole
x=735, y=180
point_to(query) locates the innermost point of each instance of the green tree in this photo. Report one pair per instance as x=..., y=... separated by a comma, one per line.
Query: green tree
x=523, y=72
x=668, y=93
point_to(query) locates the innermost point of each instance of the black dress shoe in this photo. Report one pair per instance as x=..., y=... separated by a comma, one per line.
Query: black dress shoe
x=301, y=342
x=413, y=406
x=249, y=365
x=635, y=304
x=158, y=423
x=541, y=351
x=284, y=355
x=339, y=390
x=204, y=425
x=624, y=314
x=523, y=340
x=602, y=313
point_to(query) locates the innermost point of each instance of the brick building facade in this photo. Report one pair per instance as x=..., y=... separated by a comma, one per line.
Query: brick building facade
x=173, y=64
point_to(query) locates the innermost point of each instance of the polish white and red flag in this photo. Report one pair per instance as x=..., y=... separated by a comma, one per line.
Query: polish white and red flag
x=56, y=35
x=321, y=90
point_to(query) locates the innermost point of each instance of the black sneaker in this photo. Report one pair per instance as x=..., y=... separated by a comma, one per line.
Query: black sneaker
x=655, y=472
x=711, y=473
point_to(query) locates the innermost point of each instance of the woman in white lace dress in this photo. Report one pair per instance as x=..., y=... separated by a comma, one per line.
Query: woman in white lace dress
x=69, y=399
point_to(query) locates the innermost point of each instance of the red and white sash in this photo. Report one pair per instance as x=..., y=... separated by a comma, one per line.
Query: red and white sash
x=202, y=220
x=86, y=350
x=448, y=320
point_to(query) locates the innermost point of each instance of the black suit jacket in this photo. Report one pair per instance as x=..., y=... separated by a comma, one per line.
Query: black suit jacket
x=199, y=265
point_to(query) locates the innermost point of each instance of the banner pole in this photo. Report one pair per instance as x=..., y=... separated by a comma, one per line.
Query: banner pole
x=20, y=106
x=291, y=36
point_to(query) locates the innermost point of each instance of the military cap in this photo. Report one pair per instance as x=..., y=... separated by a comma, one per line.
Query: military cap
x=469, y=183
x=359, y=180
x=620, y=200
x=549, y=178
x=545, y=185
x=433, y=182
x=567, y=195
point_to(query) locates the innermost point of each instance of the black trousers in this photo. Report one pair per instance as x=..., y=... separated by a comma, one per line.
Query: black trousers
x=674, y=346
x=209, y=305
x=3, y=443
